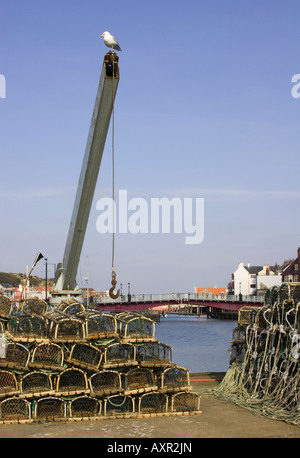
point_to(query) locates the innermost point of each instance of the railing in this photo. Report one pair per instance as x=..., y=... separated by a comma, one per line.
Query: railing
x=177, y=297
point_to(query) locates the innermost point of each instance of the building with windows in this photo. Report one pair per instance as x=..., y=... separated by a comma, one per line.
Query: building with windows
x=291, y=269
x=255, y=280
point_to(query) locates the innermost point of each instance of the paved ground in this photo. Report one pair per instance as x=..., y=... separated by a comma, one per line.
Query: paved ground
x=219, y=419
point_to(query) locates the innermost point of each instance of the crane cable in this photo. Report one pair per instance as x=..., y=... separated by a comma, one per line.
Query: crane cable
x=112, y=294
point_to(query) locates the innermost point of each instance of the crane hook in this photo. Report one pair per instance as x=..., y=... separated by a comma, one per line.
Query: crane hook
x=112, y=294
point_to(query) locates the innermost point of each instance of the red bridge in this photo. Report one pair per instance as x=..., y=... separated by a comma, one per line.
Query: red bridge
x=145, y=301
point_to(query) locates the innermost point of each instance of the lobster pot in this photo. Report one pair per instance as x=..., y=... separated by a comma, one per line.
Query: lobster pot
x=154, y=354
x=33, y=305
x=244, y=315
x=23, y=327
x=134, y=327
x=185, y=402
x=8, y=383
x=36, y=382
x=153, y=403
x=70, y=306
x=239, y=334
x=118, y=405
x=47, y=356
x=105, y=382
x=139, y=379
x=86, y=356
x=85, y=406
x=15, y=409
x=100, y=325
x=119, y=355
x=72, y=381
x=16, y=357
x=174, y=378
x=65, y=328
x=50, y=407
x=5, y=306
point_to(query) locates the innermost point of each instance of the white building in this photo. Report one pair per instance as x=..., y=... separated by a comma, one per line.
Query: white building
x=255, y=280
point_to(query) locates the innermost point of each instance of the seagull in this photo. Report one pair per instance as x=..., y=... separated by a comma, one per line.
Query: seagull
x=110, y=41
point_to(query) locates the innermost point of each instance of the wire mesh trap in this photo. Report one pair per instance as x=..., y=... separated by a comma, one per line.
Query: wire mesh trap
x=26, y=328
x=153, y=403
x=105, y=382
x=16, y=356
x=33, y=305
x=86, y=356
x=119, y=355
x=73, y=381
x=134, y=327
x=15, y=409
x=154, y=354
x=139, y=379
x=70, y=306
x=174, y=378
x=64, y=327
x=50, y=407
x=38, y=383
x=5, y=306
x=47, y=356
x=8, y=384
x=99, y=325
x=185, y=402
x=85, y=406
x=265, y=370
x=118, y=404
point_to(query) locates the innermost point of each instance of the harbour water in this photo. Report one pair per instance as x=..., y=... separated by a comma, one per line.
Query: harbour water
x=199, y=344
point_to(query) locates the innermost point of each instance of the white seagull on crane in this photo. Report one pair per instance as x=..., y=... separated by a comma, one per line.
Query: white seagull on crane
x=110, y=41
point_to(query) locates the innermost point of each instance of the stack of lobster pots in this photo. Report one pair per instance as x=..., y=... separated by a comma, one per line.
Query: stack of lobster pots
x=71, y=363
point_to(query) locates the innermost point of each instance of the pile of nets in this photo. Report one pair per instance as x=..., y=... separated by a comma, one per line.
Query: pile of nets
x=71, y=363
x=264, y=375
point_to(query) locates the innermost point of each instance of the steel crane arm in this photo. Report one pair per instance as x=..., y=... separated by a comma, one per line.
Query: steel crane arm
x=109, y=79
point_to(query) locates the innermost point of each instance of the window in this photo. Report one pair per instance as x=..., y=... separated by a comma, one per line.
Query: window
x=296, y=266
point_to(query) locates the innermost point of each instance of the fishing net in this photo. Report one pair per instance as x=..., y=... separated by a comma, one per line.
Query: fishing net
x=265, y=373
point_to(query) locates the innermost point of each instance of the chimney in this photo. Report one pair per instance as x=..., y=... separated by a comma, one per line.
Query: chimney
x=299, y=254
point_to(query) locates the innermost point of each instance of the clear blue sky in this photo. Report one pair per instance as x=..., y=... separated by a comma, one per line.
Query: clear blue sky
x=203, y=109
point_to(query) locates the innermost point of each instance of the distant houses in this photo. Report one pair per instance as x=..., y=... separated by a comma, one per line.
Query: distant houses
x=255, y=280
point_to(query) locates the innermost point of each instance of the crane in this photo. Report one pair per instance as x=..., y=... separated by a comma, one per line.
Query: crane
x=65, y=277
